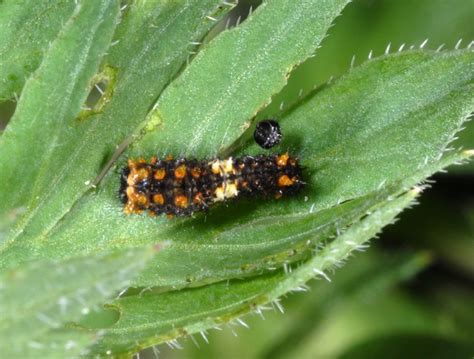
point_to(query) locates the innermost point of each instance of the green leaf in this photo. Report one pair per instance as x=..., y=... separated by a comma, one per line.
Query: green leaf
x=70, y=151
x=415, y=130
x=38, y=299
x=27, y=239
x=354, y=137
x=364, y=141
x=210, y=104
x=166, y=316
x=58, y=343
x=365, y=277
x=383, y=122
x=43, y=125
x=26, y=30
x=375, y=27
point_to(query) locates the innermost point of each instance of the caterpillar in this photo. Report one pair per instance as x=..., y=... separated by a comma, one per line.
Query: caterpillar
x=183, y=186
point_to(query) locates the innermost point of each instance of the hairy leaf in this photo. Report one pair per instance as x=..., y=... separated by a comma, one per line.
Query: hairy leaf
x=352, y=139
x=43, y=125
x=37, y=300
x=26, y=29
x=207, y=107
x=165, y=316
x=364, y=141
x=69, y=150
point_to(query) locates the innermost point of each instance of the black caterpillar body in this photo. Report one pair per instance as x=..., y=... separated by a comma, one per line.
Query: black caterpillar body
x=183, y=186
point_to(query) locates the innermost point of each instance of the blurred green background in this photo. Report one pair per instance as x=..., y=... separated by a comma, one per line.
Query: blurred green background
x=411, y=293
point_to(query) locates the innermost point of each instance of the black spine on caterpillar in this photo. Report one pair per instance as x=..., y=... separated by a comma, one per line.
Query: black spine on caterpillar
x=181, y=187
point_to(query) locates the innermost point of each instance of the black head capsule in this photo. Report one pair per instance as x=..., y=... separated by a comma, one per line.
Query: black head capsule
x=267, y=134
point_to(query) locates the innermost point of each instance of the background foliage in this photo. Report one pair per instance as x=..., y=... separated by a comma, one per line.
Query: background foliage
x=366, y=139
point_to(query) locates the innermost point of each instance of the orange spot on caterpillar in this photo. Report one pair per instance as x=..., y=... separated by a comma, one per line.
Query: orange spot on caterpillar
x=282, y=160
x=196, y=172
x=181, y=201
x=142, y=173
x=180, y=172
x=159, y=199
x=285, y=181
x=198, y=198
x=160, y=174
